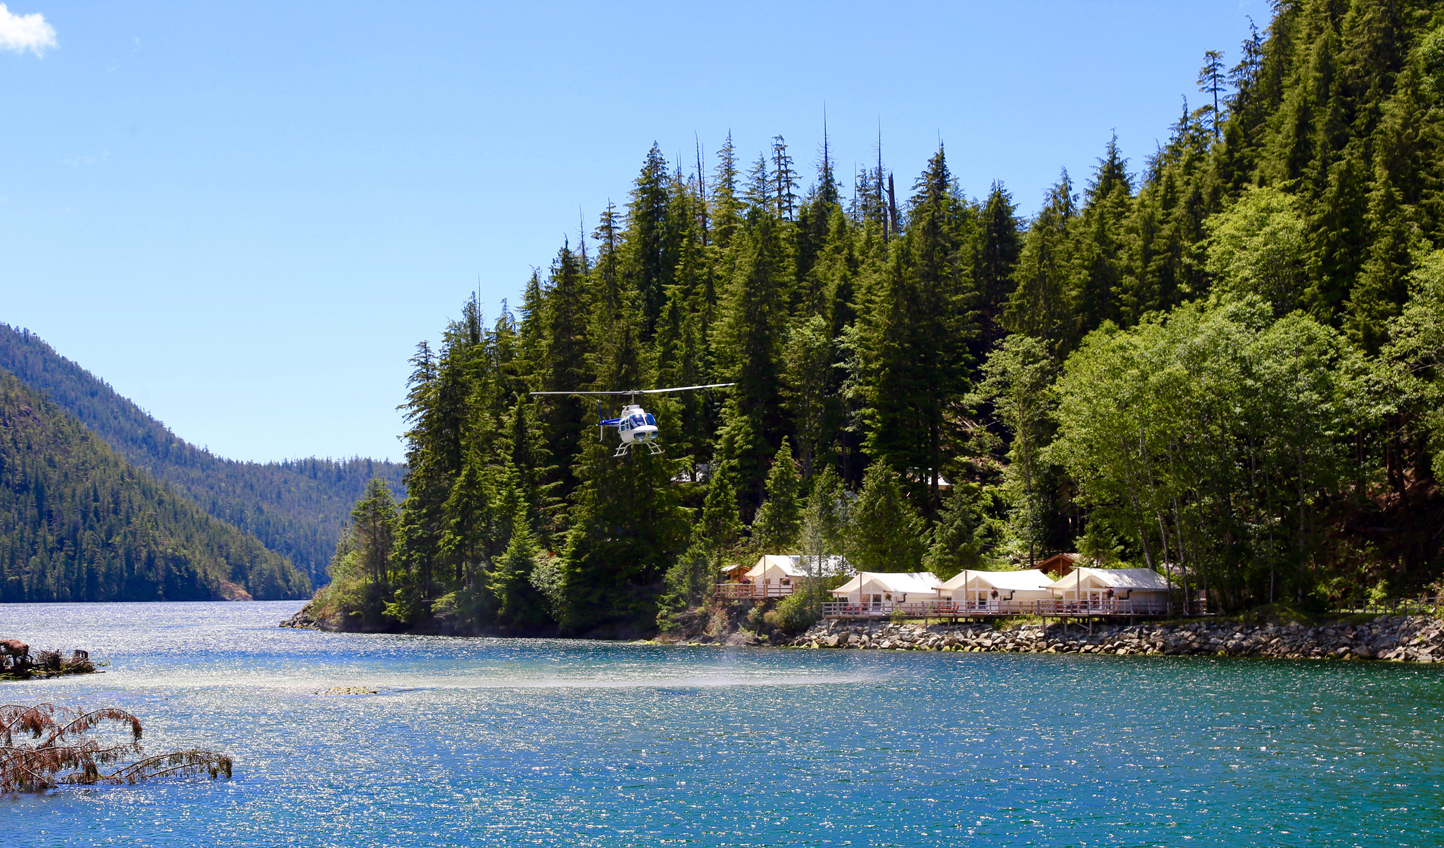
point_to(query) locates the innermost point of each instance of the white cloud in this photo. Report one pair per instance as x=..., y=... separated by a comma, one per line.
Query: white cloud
x=19, y=33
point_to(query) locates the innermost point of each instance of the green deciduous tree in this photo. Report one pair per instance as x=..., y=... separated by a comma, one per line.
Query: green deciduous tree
x=1258, y=246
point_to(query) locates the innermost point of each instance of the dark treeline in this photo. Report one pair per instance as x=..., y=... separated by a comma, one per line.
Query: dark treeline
x=296, y=507
x=1222, y=365
x=78, y=523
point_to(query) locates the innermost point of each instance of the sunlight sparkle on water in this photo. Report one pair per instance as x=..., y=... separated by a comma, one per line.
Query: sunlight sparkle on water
x=511, y=742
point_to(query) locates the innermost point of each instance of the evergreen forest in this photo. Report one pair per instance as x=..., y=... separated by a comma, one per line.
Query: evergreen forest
x=1220, y=360
x=295, y=507
x=79, y=523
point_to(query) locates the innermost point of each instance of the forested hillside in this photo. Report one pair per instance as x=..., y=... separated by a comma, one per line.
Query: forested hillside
x=78, y=523
x=296, y=507
x=1221, y=361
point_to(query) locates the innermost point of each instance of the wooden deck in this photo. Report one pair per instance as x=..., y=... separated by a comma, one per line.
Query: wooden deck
x=752, y=591
x=1000, y=609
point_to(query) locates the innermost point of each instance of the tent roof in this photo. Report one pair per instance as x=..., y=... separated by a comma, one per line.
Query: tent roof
x=908, y=583
x=1029, y=579
x=1143, y=579
x=786, y=563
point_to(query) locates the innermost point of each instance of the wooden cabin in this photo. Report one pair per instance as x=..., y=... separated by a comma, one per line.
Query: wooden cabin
x=1062, y=564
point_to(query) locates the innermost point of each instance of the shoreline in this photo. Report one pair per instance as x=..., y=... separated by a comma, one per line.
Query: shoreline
x=1397, y=638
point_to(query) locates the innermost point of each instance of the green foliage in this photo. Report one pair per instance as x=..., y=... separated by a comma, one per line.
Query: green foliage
x=779, y=520
x=1431, y=58
x=964, y=536
x=1258, y=247
x=793, y=614
x=887, y=532
x=79, y=523
x=1017, y=381
x=913, y=363
x=1416, y=357
x=685, y=586
x=1214, y=440
x=825, y=522
x=295, y=508
x=1246, y=330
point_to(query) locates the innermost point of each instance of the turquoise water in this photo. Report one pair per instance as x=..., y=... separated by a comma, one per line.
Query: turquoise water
x=538, y=742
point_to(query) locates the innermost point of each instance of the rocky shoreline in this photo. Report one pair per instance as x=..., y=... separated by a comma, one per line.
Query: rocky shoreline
x=1418, y=638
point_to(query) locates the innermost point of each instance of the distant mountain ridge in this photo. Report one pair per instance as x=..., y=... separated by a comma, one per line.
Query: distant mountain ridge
x=296, y=507
x=79, y=523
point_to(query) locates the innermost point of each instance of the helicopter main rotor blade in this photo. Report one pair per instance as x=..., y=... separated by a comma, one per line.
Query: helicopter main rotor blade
x=582, y=394
x=681, y=389
x=640, y=391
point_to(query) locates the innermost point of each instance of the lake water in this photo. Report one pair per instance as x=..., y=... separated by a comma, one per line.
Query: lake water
x=541, y=742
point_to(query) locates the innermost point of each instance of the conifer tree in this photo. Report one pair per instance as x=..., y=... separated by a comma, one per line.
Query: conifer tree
x=760, y=192
x=1211, y=81
x=1041, y=304
x=785, y=179
x=1099, y=240
x=887, y=532
x=1017, y=379
x=374, y=529
x=915, y=336
x=564, y=366
x=747, y=347
x=725, y=204
x=957, y=541
x=999, y=249
x=651, y=242
x=779, y=519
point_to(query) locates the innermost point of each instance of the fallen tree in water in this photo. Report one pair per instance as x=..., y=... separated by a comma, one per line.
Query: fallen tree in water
x=17, y=663
x=45, y=746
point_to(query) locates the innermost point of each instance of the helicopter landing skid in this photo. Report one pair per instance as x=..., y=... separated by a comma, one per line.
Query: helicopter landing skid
x=624, y=448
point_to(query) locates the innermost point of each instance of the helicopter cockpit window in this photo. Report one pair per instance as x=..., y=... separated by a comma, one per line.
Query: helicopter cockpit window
x=637, y=421
x=650, y=420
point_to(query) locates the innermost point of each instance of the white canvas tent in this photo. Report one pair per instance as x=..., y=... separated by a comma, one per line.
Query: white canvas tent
x=994, y=590
x=877, y=588
x=775, y=570
x=1138, y=589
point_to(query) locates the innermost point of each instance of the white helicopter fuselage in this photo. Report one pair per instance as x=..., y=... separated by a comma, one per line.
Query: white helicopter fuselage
x=636, y=425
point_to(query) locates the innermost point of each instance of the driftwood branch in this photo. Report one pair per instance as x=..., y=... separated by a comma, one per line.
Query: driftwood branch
x=61, y=753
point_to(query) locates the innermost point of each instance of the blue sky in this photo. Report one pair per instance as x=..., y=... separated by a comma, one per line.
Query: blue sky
x=245, y=216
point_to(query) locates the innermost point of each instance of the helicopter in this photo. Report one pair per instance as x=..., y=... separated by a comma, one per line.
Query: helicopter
x=635, y=425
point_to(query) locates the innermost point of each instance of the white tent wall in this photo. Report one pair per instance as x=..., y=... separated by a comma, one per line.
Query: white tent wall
x=775, y=570
x=1109, y=588
x=992, y=591
x=876, y=589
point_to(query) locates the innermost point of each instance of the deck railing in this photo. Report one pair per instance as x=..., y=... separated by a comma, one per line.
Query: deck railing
x=985, y=609
x=744, y=591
